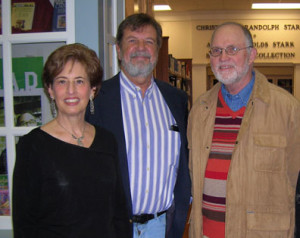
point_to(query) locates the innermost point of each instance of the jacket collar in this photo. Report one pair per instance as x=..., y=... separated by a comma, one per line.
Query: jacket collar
x=261, y=90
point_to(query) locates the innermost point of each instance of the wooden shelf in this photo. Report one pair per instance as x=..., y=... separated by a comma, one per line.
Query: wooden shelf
x=178, y=75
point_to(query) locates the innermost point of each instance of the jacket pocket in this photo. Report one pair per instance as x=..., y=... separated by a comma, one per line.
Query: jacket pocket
x=269, y=152
x=268, y=221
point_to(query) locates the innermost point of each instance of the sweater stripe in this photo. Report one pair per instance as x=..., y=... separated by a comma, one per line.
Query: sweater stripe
x=227, y=125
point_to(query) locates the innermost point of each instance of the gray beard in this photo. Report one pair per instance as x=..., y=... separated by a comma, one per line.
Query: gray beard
x=235, y=77
x=138, y=70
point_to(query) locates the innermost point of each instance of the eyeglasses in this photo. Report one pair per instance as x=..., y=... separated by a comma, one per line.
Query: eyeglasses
x=230, y=50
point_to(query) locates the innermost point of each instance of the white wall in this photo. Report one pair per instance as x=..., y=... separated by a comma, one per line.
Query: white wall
x=180, y=41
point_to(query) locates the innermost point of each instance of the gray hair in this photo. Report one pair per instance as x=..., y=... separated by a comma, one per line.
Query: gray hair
x=246, y=32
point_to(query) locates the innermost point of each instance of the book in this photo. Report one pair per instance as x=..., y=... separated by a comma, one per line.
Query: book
x=59, y=15
x=22, y=15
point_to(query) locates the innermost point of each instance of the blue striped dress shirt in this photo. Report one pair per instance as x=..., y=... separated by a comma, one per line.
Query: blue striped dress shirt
x=152, y=147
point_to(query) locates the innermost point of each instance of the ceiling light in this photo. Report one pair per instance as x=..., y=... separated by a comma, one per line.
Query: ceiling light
x=275, y=5
x=162, y=8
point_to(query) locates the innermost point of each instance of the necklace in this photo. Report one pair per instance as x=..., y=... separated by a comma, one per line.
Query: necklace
x=79, y=139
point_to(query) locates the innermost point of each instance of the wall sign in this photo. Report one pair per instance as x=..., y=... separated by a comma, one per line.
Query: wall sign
x=275, y=42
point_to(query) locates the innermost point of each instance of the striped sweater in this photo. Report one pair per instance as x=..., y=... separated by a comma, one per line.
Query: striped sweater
x=227, y=125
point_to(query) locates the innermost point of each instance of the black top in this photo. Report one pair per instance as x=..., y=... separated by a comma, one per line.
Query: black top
x=62, y=190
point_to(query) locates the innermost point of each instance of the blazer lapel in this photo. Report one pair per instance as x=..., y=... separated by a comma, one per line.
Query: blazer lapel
x=172, y=103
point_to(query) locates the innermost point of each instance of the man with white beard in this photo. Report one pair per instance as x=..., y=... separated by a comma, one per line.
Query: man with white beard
x=243, y=137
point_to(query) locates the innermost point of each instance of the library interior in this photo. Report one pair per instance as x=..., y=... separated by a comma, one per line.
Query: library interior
x=31, y=29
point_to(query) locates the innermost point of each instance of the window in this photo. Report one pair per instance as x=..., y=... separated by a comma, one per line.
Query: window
x=25, y=44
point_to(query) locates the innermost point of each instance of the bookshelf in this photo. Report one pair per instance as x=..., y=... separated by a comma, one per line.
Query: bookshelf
x=177, y=72
x=162, y=66
x=186, y=78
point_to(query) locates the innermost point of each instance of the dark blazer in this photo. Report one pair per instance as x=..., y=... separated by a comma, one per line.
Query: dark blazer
x=108, y=114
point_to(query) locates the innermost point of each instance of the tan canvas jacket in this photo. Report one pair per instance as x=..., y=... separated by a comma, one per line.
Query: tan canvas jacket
x=262, y=178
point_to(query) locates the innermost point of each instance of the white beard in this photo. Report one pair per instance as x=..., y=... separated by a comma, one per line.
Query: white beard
x=232, y=77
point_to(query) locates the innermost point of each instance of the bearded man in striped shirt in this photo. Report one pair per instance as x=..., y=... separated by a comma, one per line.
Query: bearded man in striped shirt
x=244, y=137
x=148, y=118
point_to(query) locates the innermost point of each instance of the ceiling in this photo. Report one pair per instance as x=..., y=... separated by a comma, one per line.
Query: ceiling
x=211, y=5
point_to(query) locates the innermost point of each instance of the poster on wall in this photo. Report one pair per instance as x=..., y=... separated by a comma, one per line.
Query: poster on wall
x=27, y=89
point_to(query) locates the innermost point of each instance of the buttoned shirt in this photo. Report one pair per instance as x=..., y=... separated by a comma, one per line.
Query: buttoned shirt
x=152, y=146
x=239, y=100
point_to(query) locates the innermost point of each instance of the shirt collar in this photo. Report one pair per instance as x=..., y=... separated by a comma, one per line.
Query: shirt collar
x=132, y=89
x=243, y=96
